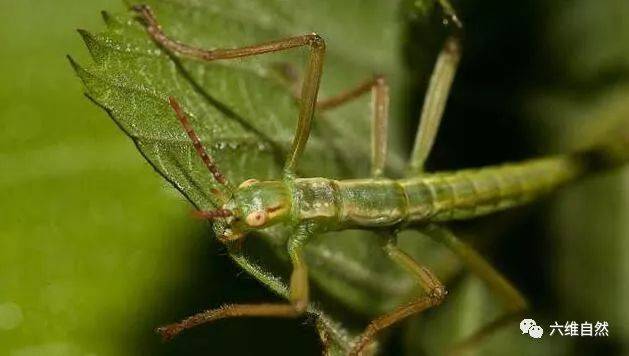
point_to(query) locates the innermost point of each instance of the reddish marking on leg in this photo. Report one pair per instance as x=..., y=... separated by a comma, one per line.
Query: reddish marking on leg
x=213, y=214
x=228, y=311
x=207, y=159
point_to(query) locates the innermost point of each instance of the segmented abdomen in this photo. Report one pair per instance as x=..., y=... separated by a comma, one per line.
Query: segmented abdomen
x=473, y=192
x=443, y=196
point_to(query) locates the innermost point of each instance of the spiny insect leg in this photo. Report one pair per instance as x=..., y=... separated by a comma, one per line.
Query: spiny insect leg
x=227, y=311
x=435, y=293
x=299, y=286
x=198, y=146
x=435, y=103
x=299, y=295
x=310, y=86
x=513, y=300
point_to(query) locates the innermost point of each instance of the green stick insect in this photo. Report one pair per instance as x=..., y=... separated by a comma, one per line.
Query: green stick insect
x=312, y=206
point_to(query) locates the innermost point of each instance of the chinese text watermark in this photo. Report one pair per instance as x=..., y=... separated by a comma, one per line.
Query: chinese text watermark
x=569, y=328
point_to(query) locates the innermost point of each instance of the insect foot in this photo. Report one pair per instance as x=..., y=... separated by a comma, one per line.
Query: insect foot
x=364, y=347
x=168, y=332
x=438, y=294
x=434, y=296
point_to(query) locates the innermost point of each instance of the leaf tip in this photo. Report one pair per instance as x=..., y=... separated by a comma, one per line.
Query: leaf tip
x=78, y=69
x=92, y=43
x=109, y=19
x=73, y=63
x=85, y=34
x=106, y=16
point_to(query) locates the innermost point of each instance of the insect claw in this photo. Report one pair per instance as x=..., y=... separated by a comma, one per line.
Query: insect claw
x=168, y=332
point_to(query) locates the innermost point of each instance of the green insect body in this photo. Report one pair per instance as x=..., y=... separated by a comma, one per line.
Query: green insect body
x=385, y=203
x=312, y=206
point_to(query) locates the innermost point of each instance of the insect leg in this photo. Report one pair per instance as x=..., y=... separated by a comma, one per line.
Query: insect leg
x=513, y=300
x=379, y=126
x=289, y=73
x=434, y=103
x=348, y=95
x=299, y=286
x=310, y=86
x=209, y=162
x=380, y=109
x=435, y=293
x=299, y=295
x=227, y=311
x=448, y=9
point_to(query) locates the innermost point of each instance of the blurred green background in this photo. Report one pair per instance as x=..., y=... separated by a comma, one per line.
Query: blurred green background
x=96, y=250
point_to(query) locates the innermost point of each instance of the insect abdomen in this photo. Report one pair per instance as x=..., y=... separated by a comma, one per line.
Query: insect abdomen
x=470, y=193
x=444, y=196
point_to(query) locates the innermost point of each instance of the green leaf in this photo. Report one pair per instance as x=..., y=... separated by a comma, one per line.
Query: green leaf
x=245, y=115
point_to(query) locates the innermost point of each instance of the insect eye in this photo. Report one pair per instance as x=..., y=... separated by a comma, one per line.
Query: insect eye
x=257, y=218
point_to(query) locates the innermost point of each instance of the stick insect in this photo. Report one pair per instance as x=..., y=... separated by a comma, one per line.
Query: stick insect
x=312, y=206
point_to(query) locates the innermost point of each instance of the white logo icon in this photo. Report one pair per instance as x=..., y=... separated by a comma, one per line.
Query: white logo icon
x=536, y=332
x=529, y=326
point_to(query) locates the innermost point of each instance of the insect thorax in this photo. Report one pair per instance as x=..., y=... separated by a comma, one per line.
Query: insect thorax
x=349, y=203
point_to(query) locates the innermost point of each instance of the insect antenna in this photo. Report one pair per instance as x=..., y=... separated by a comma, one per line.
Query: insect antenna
x=207, y=159
x=212, y=214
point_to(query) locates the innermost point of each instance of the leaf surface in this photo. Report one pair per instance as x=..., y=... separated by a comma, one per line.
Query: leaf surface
x=245, y=114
